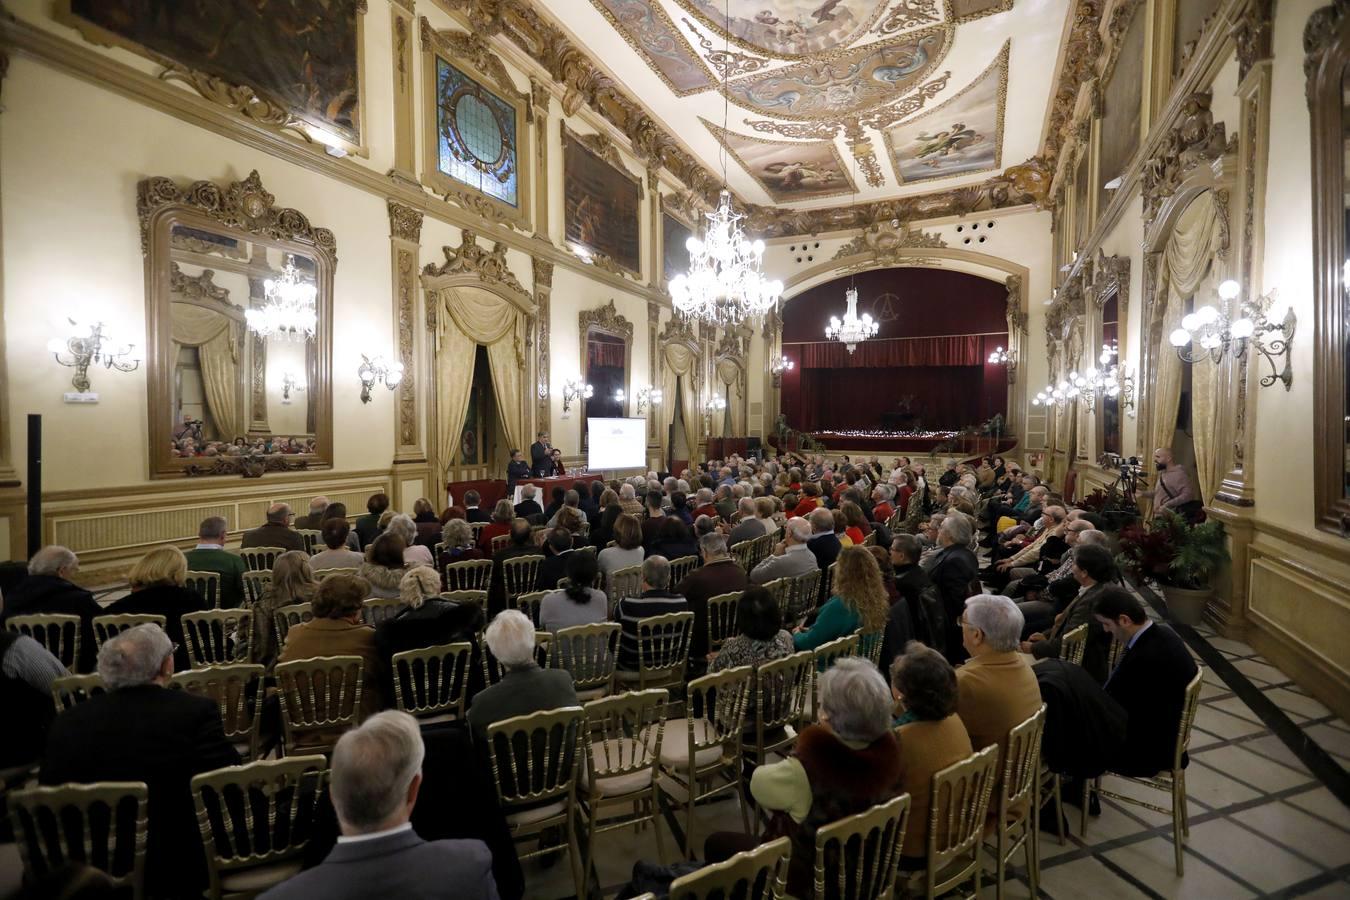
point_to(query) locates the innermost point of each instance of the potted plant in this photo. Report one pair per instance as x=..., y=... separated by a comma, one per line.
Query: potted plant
x=1182, y=559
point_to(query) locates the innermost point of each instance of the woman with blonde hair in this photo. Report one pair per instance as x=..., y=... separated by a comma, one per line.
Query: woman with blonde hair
x=426, y=620
x=292, y=582
x=857, y=601
x=158, y=588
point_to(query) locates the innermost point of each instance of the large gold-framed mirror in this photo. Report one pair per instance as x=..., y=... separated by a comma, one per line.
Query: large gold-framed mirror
x=239, y=306
x=606, y=358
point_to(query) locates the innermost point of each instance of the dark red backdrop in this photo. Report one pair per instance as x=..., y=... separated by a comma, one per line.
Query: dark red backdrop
x=937, y=331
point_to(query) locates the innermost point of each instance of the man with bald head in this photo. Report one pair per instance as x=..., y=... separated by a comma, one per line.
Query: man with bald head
x=276, y=531
x=1174, y=489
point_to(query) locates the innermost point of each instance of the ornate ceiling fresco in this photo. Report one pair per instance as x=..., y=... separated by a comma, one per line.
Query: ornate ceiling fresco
x=889, y=98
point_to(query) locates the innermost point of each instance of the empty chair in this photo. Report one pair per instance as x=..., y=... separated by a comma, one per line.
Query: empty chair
x=60, y=634
x=207, y=584
x=721, y=619
x=1014, y=819
x=759, y=874
x=320, y=699
x=260, y=559
x=111, y=626
x=238, y=693
x=218, y=637
x=103, y=825
x=71, y=689
x=589, y=653
x=432, y=683
x=857, y=856
x=469, y=575
x=663, y=650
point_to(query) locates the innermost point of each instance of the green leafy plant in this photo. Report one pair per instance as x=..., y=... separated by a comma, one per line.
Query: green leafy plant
x=1172, y=552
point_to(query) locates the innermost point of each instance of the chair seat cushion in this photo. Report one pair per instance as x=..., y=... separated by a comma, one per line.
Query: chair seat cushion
x=621, y=752
x=628, y=676
x=536, y=814
x=256, y=879
x=675, y=744
x=592, y=694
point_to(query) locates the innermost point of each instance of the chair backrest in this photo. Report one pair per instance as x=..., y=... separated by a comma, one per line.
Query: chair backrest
x=519, y=575
x=478, y=598
x=110, y=626
x=256, y=586
x=663, y=648
x=492, y=670
x=758, y=874
x=285, y=617
x=260, y=559
x=871, y=539
x=624, y=734
x=715, y=707
x=680, y=567
x=438, y=548
x=805, y=595
x=1073, y=645
x=529, y=604
x=781, y=589
x=258, y=814
x=1189, y=706
x=433, y=681
x=534, y=757
x=206, y=584
x=320, y=699
x=219, y=637
x=500, y=541
x=102, y=824
x=869, y=645
x=858, y=856
x=896, y=520
x=313, y=539
x=781, y=688
x=626, y=582
x=1022, y=764
x=829, y=651
x=956, y=818
x=321, y=574
x=1113, y=655
x=69, y=690
x=238, y=693
x=827, y=582
x=477, y=529
x=743, y=552
x=588, y=653
x=60, y=634
x=375, y=610
x=722, y=618
x=469, y=575
x=764, y=547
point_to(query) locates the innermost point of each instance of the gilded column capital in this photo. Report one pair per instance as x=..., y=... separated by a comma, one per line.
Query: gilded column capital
x=405, y=222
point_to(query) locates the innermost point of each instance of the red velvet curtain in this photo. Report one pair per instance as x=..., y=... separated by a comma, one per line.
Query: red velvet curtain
x=602, y=354
x=948, y=350
x=945, y=398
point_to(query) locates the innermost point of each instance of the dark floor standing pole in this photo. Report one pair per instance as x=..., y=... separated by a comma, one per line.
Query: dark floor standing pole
x=34, y=484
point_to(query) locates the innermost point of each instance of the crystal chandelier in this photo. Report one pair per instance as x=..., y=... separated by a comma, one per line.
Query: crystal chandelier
x=852, y=330
x=725, y=284
x=288, y=311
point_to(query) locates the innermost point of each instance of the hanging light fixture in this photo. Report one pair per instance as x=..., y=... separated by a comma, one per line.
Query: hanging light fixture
x=725, y=284
x=1210, y=332
x=288, y=310
x=852, y=330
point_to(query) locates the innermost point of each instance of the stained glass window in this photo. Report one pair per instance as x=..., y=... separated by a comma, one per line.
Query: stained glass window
x=475, y=135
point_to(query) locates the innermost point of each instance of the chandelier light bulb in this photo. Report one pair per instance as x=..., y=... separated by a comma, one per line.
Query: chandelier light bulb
x=1229, y=289
x=1207, y=315
x=1179, y=338
x=1243, y=328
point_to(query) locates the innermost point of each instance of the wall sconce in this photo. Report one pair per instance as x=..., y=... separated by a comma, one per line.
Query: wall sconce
x=715, y=404
x=777, y=367
x=1001, y=357
x=1059, y=395
x=96, y=347
x=290, y=383
x=1210, y=332
x=376, y=369
x=645, y=396
x=575, y=389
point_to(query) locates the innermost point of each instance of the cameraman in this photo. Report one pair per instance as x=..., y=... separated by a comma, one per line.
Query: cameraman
x=192, y=428
x=1174, y=492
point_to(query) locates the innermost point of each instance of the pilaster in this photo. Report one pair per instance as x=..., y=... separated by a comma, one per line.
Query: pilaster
x=401, y=15
x=405, y=236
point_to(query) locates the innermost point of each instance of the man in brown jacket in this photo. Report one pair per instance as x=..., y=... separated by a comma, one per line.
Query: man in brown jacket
x=337, y=630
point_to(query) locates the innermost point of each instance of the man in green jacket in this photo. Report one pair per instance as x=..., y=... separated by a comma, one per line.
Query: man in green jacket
x=210, y=555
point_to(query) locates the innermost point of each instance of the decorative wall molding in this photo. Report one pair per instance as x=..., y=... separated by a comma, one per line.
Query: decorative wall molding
x=1194, y=138
x=405, y=222
x=1017, y=317
x=468, y=257
x=1079, y=56
x=405, y=234
x=202, y=289
x=542, y=276
x=606, y=318
x=882, y=242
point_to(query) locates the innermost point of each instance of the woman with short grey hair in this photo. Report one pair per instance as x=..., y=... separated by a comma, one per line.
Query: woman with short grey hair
x=414, y=554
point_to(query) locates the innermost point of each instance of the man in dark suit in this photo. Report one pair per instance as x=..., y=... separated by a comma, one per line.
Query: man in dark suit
x=516, y=469
x=824, y=543
x=276, y=531
x=528, y=506
x=719, y=574
x=376, y=775
x=556, y=550
x=48, y=590
x=541, y=463
x=1149, y=681
x=141, y=731
x=521, y=544
x=952, y=571
x=471, y=511
x=314, y=520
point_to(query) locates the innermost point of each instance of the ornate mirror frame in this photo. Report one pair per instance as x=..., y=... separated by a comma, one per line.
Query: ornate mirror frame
x=244, y=209
x=1110, y=279
x=605, y=320
x=1326, y=38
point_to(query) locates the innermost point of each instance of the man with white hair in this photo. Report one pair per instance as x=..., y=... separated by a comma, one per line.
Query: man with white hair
x=49, y=589
x=141, y=731
x=747, y=527
x=528, y=505
x=376, y=776
x=276, y=531
x=791, y=556
x=628, y=500
x=525, y=687
x=953, y=569
x=719, y=574
x=315, y=518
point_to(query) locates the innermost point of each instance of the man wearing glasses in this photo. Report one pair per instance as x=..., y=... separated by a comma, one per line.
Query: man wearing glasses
x=276, y=531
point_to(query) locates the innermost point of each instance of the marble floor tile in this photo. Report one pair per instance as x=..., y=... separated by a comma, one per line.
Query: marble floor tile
x=1249, y=856
x=1085, y=878
x=1331, y=739
x=1337, y=890
x=1260, y=672
x=1321, y=802
x=1251, y=768
x=1271, y=747
x=1237, y=648
x=1226, y=726
x=1214, y=789
x=1316, y=839
x=1237, y=707
x=1297, y=706
x=1153, y=863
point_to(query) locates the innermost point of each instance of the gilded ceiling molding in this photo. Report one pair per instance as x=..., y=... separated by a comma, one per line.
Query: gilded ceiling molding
x=489, y=265
x=1194, y=139
x=907, y=105
x=473, y=49
x=909, y=14
x=606, y=318
x=1017, y=317
x=405, y=222
x=1081, y=53
x=727, y=63
x=721, y=29
x=860, y=145
x=201, y=288
x=646, y=28
x=881, y=243
x=1121, y=17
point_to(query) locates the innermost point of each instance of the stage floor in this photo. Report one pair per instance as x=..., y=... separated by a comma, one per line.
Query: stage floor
x=926, y=442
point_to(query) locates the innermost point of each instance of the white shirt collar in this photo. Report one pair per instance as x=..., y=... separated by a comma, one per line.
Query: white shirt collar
x=210, y=546
x=374, y=835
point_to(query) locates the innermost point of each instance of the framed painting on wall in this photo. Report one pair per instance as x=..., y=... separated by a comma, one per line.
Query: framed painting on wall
x=602, y=201
x=300, y=59
x=674, y=254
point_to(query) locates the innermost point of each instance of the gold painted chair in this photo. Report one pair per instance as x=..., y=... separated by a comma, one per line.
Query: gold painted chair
x=1171, y=782
x=492, y=670
x=535, y=761
x=477, y=529
x=238, y=694
x=110, y=626
x=827, y=584
x=432, y=683
x=1073, y=645
x=758, y=874
x=623, y=734
x=781, y=589
x=256, y=821
x=722, y=619
x=589, y=653
x=207, y=585
x=103, y=825
x=438, y=548
x=778, y=697
x=477, y=598
x=321, y=574
x=871, y=539
x=469, y=575
x=218, y=637
x=60, y=634
x=376, y=610
x=701, y=753
x=499, y=543
x=529, y=604
x=869, y=645
x=824, y=657
x=519, y=576
x=680, y=567
x=260, y=559
x=858, y=856
x=320, y=699
x=663, y=651
x=313, y=539
x=895, y=521
x=805, y=597
x=256, y=586
x=956, y=820
x=286, y=617
x=69, y=690
x=744, y=554
x=1018, y=801
x=621, y=583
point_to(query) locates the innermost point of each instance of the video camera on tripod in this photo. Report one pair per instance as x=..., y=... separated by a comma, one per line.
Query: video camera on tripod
x=1131, y=474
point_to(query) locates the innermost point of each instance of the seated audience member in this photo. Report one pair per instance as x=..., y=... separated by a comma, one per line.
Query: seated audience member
x=703, y=503
x=657, y=599
x=809, y=502
x=858, y=600
x=314, y=519
x=425, y=621
x=673, y=540
x=602, y=532
x=414, y=554
x=627, y=549
x=522, y=543
x=368, y=526
x=883, y=558
x=571, y=520
x=882, y=509
x=1093, y=567
x=158, y=588
x=952, y=570
x=384, y=566
x=1149, y=682
x=1048, y=541
x=292, y=582
x=471, y=511
x=581, y=602
x=749, y=527
x=558, y=548
x=997, y=689
x=527, y=508
x=427, y=523
x=525, y=687
x=374, y=782
x=679, y=508
x=910, y=583
x=141, y=731
x=338, y=630
x=846, y=763
x=1033, y=581
x=791, y=556
x=719, y=574
x=558, y=495
x=339, y=511
x=27, y=670
x=591, y=507
x=655, y=517
x=857, y=524
x=502, y=514
x=570, y=500
x=49, y=590
x=275, y=532
x=759, y=637
x=930, y=735
x=824, y=542
x=210, y=555
x=338, y=555
x=459, y=544
x=628, y=500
